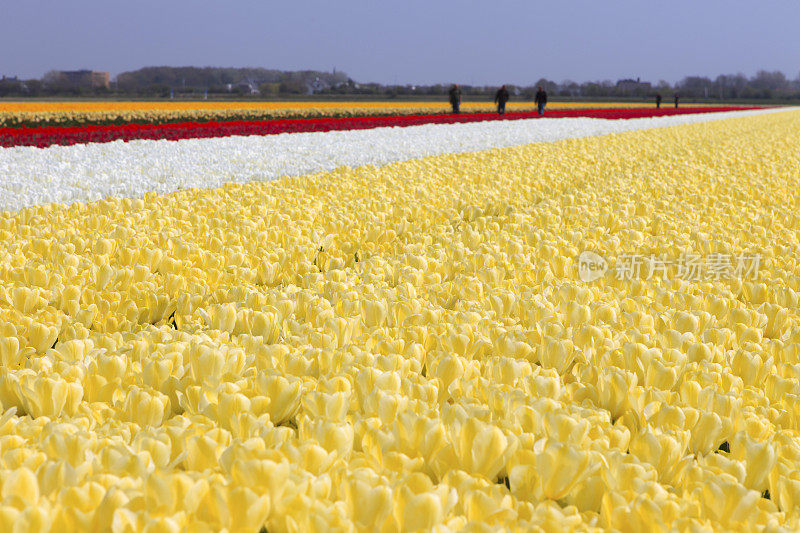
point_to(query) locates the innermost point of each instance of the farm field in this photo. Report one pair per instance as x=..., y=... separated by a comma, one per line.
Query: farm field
x=43, y=136
x=36, y=114
x=86, y=172
x=550, y=324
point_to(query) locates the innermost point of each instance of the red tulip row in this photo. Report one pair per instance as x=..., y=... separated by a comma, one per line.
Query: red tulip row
x=46, y=136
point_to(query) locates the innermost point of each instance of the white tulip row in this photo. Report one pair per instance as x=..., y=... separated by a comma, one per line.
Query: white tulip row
x=64, y=174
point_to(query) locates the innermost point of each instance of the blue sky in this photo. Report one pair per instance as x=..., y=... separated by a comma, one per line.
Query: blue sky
x=410, y=41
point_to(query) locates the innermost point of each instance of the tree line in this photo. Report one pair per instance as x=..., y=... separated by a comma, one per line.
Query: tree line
x=191, y=82
x=763, y=85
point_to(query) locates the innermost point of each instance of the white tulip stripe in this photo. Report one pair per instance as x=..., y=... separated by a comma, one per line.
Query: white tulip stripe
x=64, y=174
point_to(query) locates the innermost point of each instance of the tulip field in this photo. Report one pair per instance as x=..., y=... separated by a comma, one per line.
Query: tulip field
x=37, y=114
x=47, y=128
x=586, y=322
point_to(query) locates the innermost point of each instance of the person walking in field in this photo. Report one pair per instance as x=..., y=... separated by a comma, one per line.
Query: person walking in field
x=676, y=100
x=455, y=98
x=540, y=99
x=500, y=98
x=658, y=101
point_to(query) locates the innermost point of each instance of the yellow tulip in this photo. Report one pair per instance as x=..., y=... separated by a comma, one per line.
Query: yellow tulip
x=284, y=396
x=555, y=471
x=41, y=337
x=146, y=408
x=614, y=388
x=42, y=396
x=730, y=503
x=326, y=406
x=9, y=516
x=20, y=488
x=419, y=506
x=10, y=354
x=370, y=506
x=332, y=436
x=263, y=476
x=758, y=459
x=202, y=453
x=248, y=510
x=26, y=300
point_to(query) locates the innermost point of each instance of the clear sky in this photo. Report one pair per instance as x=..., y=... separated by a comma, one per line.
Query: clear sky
x=408, y=41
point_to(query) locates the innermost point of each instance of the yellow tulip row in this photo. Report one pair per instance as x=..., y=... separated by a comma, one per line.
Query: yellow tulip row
x=409, y=347
x=75, y=113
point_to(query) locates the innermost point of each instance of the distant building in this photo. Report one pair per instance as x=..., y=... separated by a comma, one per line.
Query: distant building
x=12, y=84
x=637, y=85
x=84, y=78
x=317, y=85
x=245, y=86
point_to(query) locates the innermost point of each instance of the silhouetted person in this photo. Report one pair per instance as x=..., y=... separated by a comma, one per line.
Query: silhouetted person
x=676, y=100
x=455, y=98
x=658, y=101
x=540, y=99
x=500, y=98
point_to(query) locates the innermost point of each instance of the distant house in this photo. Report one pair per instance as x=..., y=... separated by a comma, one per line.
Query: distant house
x=246, y=86
x=10, y=84
x=633, y=86
x=84, y=78
x=317, y=85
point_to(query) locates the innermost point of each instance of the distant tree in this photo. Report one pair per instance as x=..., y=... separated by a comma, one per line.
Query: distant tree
x=193, y=81
x=269, y=88
x=593, y=89
x=547, y=85
x=10, y=87
x=29, y=88
x=570, y=88
x=217, y=79
x=770, y=84
x=729, y=85
x=292, y=87
x=663, y=88
x=694, y=86
x=51, y=77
